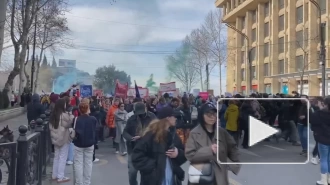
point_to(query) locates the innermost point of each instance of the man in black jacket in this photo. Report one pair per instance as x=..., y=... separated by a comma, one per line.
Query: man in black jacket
x=34, y=108
x=134, y=129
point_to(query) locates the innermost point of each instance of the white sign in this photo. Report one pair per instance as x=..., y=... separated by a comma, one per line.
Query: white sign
x=144, y=92
x=66, y=63
x=259, y=131
x=196, y=92
x=166, y=87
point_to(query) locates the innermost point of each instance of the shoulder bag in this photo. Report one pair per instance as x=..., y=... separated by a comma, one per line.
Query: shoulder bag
x=73, y=131
x=201, y=173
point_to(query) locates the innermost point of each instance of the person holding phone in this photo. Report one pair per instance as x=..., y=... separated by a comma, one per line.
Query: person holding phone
x=148, y=156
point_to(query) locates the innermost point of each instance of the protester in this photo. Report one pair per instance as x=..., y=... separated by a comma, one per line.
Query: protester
x=202, y=147
x=231, y=117
x=134, y=129
x=302, y=126
x=120, y=121
x=111, y=118
x=60, y=122
x=148, y=157
x=320, y=124
x=86, y=134
x=34, y=109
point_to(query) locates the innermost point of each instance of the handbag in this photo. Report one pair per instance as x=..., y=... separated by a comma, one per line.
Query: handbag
x=73, y=131
x=201, y=173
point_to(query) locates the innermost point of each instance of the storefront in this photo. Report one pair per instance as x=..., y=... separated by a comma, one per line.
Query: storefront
x=285, y=88
x=243, y=90
x=268, y=88
x=325, y=87
x=254, y=89
x=305, y=87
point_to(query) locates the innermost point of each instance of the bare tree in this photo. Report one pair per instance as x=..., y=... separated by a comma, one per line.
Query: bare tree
x=22, y=14
x=180, y=67
x=3, y=8
x=199, y=43
x=302, y=62
x=52, y=29
x=216, y=30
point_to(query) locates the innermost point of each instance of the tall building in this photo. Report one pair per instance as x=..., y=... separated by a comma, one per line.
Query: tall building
x=284, y=45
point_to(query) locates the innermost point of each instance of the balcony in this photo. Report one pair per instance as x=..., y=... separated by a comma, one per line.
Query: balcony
x=240, y=10
x=220, y=3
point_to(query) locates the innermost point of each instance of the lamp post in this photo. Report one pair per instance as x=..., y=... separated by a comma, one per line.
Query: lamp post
x=322, y=44
x=248, y=54
x=34, y=50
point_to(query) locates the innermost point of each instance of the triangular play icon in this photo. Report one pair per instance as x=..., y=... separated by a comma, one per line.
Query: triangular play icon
x=259, y=131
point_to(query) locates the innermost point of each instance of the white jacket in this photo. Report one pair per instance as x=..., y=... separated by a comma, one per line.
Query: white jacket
x=61, y=135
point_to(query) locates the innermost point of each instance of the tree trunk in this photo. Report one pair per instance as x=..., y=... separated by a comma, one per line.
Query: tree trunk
x=201, y=77
x=3, y=8
x=301, y=85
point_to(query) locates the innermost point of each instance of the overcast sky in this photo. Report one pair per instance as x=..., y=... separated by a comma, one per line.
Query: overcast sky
x=155, y=27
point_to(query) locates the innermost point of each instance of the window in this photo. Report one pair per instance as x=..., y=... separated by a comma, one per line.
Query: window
x=254, y=72
x=300, y=15
x=243, y=74
x=281, y=45
x=266, y=30
x=281, y=67
x=253, y=54
x=254, y=16
x=300, y=39
x=323, y=6
x=266, y=50
x=243, y=57
x=243, y=22
x=306, y=37
x=281, y=4
x=266, y=69
x=281, y=23
x=254, y=35
x=299, y=63
x=266, y=9
x=243, y=40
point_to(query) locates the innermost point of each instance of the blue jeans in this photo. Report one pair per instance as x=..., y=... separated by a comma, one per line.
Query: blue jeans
x=70, y=155
x=302, y=131
x=324, y=151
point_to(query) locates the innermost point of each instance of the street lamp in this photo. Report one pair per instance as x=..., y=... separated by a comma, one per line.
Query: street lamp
x=322, y=44
x=248, y=53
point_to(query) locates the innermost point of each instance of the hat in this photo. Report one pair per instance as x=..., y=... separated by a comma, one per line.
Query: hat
x=208, y=107
x=165, y=112
x=139, y=108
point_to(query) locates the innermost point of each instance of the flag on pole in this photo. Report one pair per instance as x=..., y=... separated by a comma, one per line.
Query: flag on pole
x=137, y=93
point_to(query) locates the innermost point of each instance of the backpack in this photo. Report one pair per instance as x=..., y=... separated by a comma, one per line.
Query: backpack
x=194, y=113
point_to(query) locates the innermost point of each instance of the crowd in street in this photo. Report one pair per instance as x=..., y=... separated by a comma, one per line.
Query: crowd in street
x=160, y=133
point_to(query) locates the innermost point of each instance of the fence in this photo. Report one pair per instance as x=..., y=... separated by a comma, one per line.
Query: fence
x=24, y=162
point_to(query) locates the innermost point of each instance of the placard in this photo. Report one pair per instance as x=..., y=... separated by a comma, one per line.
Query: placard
x=86, y=91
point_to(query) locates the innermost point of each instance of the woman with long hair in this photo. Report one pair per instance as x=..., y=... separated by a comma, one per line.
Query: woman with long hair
x=60, y=122
x=204, y=144
x=86, y=138
x=120, y=121
x=320, y=123
x=160, y=153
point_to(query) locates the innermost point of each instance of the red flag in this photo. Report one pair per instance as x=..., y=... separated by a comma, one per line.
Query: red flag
x=121, y=90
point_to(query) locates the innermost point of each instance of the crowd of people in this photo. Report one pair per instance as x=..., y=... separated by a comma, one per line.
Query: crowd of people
x=183, y=128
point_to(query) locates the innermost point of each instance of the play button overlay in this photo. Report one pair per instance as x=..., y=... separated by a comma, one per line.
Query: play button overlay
x=259, y=131
x=267, y=140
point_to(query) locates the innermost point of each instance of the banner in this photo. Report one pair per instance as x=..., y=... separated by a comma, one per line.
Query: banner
x=121, y=90
x=86, y=91
x=204, y=95
x=144, y=92
x=98, y=92
x=195, y=92
x=167, y=87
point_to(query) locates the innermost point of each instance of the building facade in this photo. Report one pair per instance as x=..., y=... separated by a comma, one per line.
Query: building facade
x=284, y=45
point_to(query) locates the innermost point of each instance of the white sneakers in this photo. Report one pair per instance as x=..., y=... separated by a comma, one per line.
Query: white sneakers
x=96, y=160
x=315, y=160
x=325, y=180
x=69, y=162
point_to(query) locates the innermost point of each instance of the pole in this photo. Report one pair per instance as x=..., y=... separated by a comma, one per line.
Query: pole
x=207, y=76
x=322, y=46
x=34, y=51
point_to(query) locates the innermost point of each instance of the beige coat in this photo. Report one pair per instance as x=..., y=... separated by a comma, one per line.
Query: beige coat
x=61, y=135
x=198, y=150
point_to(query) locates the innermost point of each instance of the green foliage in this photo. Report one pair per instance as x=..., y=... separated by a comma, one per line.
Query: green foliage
x=4, y=100
x=150, y=81
x=105, y=78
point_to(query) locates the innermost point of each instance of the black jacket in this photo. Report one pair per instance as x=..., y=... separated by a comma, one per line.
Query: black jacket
x=34, y=109
x=86, y=131
x=320, y=125
x=131, y=126
x=149, y=158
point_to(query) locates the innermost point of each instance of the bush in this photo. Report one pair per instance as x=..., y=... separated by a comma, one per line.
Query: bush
x=4, y=100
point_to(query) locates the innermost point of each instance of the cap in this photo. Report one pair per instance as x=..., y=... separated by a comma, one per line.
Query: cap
x=139, y=108
x=165, y=112
x=208, y=107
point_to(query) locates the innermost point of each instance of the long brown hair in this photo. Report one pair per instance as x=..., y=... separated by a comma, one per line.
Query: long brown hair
x=159, y=128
